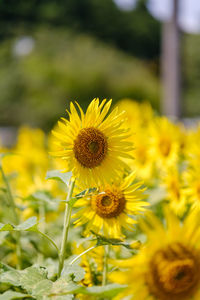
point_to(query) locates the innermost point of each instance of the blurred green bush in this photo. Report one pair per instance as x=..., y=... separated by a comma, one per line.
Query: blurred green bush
x=37, y=87
x=191, y=71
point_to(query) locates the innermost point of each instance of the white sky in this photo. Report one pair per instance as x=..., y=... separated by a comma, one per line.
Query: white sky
x=189, y=14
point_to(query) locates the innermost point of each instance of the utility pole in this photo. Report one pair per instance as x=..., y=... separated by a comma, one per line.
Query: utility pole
x=170, y=65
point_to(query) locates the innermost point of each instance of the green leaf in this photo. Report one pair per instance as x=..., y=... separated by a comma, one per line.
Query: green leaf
x=45, y=197
x=5, y=267
x=54, y=297
x=110, y=290
x=85, y=192
x=42, y=288
x=81, y=195
x=63, y=286
x=28, y=225
x=74, y=273
x=63, y=177
x=102, y=240
x=9, y=295
x=31, y=277
x=12, y=277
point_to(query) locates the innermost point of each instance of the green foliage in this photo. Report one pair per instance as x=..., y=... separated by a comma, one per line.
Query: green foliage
x=191, y=71
x=9, y=295
x=72, y=67
x=102, y=240
x=136, y=32
x=63, y=177
x=35, y=282
x=28, y=225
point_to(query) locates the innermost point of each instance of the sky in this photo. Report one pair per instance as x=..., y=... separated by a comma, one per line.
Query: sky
x=189, y=13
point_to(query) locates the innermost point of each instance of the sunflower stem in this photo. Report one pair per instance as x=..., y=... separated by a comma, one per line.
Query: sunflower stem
x=15, y=214
x=67, y=217
x=105, y=265
x=81, y=254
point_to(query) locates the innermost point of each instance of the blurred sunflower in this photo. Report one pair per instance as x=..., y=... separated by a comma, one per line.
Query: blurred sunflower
x=174, y=185
x=110, y=209
x=164, y=142
x=138, y=115
x=92, y=144
x=168, y=266
x=143, y=162
x=192, y=189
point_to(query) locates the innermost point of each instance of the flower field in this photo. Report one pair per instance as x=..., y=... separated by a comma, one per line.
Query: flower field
x=106, y=206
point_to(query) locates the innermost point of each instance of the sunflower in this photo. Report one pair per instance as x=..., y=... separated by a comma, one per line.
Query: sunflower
x=143, y=162
x=168, y=265
x=175, y=192
x=110, y=208
x=93, y=145
x=192, y=189
x=138, y=114
x=164, y=142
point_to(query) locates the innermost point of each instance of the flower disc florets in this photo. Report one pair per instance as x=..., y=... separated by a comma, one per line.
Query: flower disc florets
x=90, y=147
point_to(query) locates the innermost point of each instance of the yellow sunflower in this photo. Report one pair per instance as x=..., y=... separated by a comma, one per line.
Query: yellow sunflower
x=168, y=265
x=175, y=192
x=138, y=114
x=143, y=162
x=93, y=144
x=192, y=189
x=110, y=208
x=164, y=142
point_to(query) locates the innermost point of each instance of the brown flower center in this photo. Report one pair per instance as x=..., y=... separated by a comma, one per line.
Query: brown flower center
x=90, y=147
x=109, y=204
x=165, y=146
x=174, y=273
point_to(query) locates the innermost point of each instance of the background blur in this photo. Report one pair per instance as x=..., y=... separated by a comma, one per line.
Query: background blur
x=53, y=52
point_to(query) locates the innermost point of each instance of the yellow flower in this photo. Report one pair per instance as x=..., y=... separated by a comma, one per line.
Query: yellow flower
x=192, y=189
x=138, y=114
x=143, y=162
x=168, y=265
x=174, y=185
x=110, y=209
x=94, y=146
x=164, y=142
x=92, y=263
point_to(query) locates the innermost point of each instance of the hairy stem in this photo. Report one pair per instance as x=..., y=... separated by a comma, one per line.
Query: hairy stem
x=105, y=265
x=15, y=214
x=67, y=217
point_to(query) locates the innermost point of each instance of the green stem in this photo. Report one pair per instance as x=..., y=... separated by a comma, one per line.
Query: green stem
x=78, y=256
x=17, y=221
x=67, y=217
x=105, y=265
x=42, y=230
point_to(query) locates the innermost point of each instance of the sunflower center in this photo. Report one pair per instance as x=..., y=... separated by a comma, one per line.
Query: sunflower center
x=198, y=190
x=165, y=146
x=90, y=147
x=109, y=204
x=174, y=273
x=175, y=189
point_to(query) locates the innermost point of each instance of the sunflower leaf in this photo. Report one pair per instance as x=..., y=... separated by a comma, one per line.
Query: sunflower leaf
x=63, y=177
x=9, y=295
x=110, y=290
x=74, y=272
x=28, y=225
x=81, y=195
x=102, y=240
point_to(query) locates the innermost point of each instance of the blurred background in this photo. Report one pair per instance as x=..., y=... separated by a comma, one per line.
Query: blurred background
x=53, y=52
